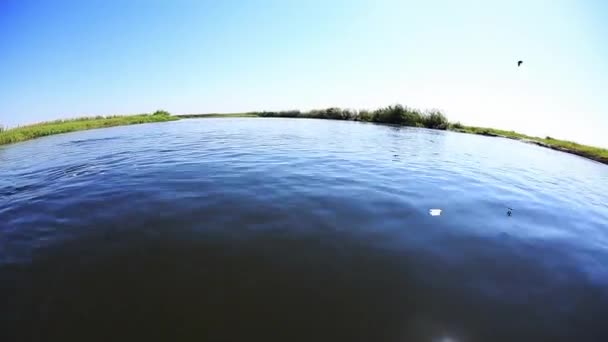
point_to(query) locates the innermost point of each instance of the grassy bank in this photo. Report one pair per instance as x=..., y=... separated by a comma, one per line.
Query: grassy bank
x=591, y=152
x=13, y=135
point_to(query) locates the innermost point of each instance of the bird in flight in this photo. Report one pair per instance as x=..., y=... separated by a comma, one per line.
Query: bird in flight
x=519, y=63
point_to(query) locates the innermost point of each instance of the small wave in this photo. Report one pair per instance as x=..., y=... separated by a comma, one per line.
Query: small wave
x=13, y=190
x=58, y=173
x=90, y=141
x=48, y=176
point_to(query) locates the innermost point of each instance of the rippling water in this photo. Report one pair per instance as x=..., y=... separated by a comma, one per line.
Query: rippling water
x=299, y=230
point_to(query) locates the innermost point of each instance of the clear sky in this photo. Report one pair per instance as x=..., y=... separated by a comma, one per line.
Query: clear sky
x=71, y=58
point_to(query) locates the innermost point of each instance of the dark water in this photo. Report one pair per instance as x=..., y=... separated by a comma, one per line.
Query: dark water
x=299, y=230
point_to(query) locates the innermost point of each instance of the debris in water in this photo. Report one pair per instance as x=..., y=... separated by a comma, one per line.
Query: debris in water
x=435, y=212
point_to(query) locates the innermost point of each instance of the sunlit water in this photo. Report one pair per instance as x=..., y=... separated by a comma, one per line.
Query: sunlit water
x=299, y=230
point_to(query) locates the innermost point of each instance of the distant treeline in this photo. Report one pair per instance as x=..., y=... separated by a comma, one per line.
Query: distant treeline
x=397, y=114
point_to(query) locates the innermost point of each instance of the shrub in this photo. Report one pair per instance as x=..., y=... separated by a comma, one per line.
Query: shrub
x=280, y=114
x=289, y=113
x=315, y=113
x=457, y=125
x=333, y=113
x=161, y=112
x=363, y=115
x=395, y=114
x=435, y=119
x=412, y=117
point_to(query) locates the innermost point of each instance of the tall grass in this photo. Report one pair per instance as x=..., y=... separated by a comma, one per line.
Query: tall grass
x=396, y=114
x=13, y=135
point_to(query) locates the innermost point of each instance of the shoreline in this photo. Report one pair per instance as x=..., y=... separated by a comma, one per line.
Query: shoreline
x=597, y=154
x=395, y=115
x=599, y=159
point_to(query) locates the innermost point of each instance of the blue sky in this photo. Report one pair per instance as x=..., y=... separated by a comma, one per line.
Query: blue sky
x=71, y=58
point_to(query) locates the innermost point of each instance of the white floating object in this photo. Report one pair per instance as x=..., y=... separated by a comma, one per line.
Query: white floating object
x=435, y=212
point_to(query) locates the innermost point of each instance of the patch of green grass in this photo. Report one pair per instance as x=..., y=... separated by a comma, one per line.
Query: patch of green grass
x=13, y=135
x=572, y=146
x=592, y=152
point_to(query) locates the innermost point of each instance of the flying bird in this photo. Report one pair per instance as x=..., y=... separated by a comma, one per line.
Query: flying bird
x=519, y=63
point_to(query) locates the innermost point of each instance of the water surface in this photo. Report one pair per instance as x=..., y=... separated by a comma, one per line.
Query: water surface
x=299, y=230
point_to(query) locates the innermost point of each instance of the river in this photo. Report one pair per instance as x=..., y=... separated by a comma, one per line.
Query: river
x=299, y=230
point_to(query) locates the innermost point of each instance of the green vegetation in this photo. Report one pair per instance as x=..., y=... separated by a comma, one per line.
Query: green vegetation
x=591, y=152
x=397, y=115
x=456, y=125
x=13, y=135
